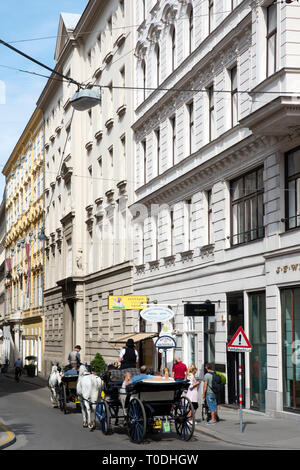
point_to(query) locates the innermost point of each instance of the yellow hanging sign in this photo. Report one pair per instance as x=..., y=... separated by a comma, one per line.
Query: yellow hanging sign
x=127, y=302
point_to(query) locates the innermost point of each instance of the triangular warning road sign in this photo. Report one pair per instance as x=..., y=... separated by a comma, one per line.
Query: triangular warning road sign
x=239, y=342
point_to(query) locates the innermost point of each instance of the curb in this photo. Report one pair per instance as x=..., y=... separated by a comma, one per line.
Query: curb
x=9, y=439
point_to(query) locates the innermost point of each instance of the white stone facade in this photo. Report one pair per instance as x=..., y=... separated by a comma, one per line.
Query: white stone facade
x=193, y=148
x=89, y=184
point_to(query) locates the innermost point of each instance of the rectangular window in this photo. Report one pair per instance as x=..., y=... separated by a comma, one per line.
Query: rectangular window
x=144, y=157
x=292, y=172
x=210, y=238
x=247, y=207
x=271, y=38
x=210, y=15
x=211, y=108
x=191, y=127
x=157, y=142
x=290, y=308
x=234, y=96
x=173, y=142
x=188, y=224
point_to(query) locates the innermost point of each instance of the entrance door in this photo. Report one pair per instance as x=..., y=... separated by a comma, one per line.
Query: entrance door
x=258, y=356
x=235, y=319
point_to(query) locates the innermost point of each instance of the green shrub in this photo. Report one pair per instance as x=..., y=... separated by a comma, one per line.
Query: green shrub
x=223, y=378
x=98, y=364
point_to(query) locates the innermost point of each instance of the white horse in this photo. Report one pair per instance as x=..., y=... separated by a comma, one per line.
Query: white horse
x=53, y=383
x=87, y=389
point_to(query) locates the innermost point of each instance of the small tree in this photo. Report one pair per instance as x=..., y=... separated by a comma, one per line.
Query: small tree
x=98, y=364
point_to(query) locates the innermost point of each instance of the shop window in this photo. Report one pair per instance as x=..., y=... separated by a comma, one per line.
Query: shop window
x=247, y=207
x=290, y=308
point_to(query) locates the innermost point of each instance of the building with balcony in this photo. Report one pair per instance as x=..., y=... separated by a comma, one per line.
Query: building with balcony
x=217, y=186
x=24, y=172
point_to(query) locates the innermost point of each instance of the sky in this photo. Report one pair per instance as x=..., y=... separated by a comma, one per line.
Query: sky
x=19, y=21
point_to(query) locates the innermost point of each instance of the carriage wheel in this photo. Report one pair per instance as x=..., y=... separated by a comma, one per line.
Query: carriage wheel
x=136, y=420
x=103, y=414
x=184, y=419
x=63, y=399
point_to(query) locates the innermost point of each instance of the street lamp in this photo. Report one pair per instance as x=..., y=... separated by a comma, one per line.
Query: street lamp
x=85, y=99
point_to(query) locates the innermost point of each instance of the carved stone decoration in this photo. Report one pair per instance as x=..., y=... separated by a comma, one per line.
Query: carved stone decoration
x=140, y=49
x=154, y=32
x=169, y=13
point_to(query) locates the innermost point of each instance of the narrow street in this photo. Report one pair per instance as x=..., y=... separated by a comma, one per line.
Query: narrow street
x=26, y=410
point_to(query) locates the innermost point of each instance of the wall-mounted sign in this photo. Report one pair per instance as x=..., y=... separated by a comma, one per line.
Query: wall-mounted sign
x=199, y=310
x=157, y=314
x=127, y=302
x=165, y=342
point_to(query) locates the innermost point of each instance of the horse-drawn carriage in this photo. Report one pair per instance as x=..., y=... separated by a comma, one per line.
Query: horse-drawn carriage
x=145, y=406
x=67, y=392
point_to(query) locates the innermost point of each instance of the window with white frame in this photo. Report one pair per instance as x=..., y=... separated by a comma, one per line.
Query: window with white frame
x=247, y=207
x=234, y=96
x=211, y=113
x=190, y=14
x=157, y=63
x=157, y=149
x=191, y=129
x=271, y=38
x=173, y=140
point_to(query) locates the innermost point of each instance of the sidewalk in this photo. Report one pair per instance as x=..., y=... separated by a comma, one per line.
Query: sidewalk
x=259, y=430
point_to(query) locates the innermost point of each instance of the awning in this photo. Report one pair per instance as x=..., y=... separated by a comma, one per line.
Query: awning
x=137, y=337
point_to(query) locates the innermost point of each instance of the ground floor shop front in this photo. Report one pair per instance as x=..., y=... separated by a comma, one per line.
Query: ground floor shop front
x=264, y=299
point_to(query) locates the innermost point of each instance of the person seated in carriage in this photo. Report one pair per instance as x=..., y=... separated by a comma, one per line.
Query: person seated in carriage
x=144, y=375
x=73, y=371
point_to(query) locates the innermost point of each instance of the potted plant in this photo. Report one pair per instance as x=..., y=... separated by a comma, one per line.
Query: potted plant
x=31, y=367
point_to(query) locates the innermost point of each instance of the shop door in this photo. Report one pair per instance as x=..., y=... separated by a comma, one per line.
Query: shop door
x=235, y=319
x=258, y=356
x=290, y=308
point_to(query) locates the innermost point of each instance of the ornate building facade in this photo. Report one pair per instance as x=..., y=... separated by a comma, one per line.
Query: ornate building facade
x=24, y=172
x=217, y=185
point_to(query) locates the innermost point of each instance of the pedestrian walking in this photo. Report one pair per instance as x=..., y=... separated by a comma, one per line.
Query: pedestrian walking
x=192, y=392
x=179, y=369
x=209, y=395
x=18, y=365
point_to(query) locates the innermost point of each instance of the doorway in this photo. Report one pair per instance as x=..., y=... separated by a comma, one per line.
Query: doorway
x=235, y=319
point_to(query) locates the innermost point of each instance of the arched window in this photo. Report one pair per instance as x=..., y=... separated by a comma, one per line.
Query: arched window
x=157, y=63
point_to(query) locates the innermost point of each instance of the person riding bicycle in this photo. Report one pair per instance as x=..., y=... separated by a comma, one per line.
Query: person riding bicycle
x=18, y=368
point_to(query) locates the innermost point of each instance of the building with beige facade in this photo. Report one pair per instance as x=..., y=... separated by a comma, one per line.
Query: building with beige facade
x=24, y=170
x=2, y=277
x=89, y=184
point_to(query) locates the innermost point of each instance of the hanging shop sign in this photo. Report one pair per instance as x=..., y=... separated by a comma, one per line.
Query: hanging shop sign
x=166, y=329
x=127, y=302
x=165, y=342
x=157, y=314
x=199, y=310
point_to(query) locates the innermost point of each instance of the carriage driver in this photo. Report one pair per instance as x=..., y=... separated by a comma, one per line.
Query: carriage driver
x=74, y=356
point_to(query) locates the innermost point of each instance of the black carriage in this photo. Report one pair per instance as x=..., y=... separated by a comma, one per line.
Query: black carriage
x=146, y=406
x=67, y=393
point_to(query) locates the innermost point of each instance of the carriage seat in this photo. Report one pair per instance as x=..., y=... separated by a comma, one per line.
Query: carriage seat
x=116, y=376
